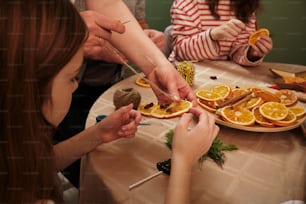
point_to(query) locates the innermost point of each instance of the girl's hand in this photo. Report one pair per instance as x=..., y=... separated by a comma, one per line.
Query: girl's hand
x=121, y=123
x=190, y=145
x=261, y=48
x=229, y=30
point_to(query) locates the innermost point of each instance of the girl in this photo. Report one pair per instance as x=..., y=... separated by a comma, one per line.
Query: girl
x=40, y=57
x=217, y=30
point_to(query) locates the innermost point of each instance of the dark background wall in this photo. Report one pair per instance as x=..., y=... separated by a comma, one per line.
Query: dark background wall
x=286, y=20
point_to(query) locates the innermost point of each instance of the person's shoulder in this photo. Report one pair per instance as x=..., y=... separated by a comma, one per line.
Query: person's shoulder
x=184, y=4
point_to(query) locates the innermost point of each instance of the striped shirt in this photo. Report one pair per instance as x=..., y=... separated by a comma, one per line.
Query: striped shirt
x=192, y=21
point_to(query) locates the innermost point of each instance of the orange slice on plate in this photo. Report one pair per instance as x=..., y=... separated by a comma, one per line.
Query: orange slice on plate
x=207, y=105
x=223, y=90
x=289, y=120
x=208, y=95
x=262, y=121
x=171, y=110
x=237, y=115
x=146, y=109
x=256, y=35
x=287, y=97
x=265, y=94
x=215, y=94
x=252, y=102
x=299, y=111
x=141, y=82
x=237, y=92
x=273, y=110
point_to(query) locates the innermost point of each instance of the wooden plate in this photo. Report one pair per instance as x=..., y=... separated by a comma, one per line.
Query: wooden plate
x=258, y=128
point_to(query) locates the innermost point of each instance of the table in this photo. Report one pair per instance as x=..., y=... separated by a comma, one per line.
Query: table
x=267, y=168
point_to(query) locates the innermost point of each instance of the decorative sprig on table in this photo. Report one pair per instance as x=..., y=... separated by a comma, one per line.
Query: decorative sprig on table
x=215, y=152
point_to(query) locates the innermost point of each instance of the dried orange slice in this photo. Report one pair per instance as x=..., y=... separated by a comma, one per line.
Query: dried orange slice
x=252, y=102
x=238, y=92
x=299, y=111
x=207, y=105
x=215, y=94
x=141, y=82
x=223, y=90
x=208, y=95
x=256, y=35
x=289, y=120
x=273, y=110
x=265, y=94
x=146, y=109
x=239, y=116
x=287, y=97
x=262, y=121
x=171, y=110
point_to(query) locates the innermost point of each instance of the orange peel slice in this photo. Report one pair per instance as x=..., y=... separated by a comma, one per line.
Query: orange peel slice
x=256, y=35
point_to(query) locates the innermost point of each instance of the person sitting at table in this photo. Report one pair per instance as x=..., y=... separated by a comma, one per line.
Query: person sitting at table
x=41, y=56
x=38, y=77
x=217, y=30
x=103, y=67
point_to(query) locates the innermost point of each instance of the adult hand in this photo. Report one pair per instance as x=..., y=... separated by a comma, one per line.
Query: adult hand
x=168, y=79
x=229, y=30
x=122, y=123
x=261, y=48
x=157, y=37
x=189, y=145
x=100, y=29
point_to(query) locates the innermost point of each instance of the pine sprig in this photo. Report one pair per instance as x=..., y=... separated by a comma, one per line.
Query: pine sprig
x=215, y=152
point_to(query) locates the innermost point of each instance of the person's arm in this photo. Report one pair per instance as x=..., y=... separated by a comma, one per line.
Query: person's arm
x=188, y=146
x=133, y=43
x=100, y=28
x=121, y=124
x=138, y=48
x=190, y=42
x=246, y=55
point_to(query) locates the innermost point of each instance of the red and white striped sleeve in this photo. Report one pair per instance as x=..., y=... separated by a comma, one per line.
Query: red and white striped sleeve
x=190, y=42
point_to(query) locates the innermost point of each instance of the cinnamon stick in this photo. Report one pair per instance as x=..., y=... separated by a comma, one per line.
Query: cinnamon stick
x=234, y=99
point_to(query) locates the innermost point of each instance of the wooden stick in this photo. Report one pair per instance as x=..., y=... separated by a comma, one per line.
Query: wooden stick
x=144, y=180
x=153, y=85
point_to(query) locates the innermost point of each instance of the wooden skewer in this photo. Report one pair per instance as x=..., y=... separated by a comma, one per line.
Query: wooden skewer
x=153, y=85
x=125, y=22
x=144, y=180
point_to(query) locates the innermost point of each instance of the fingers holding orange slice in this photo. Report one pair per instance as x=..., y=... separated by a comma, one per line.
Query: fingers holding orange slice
x=256, y=35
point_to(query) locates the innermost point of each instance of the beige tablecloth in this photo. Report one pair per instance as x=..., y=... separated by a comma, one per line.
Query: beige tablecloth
x=267, y=168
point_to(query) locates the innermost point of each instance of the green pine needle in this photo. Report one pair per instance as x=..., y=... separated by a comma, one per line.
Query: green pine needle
x=215, y=152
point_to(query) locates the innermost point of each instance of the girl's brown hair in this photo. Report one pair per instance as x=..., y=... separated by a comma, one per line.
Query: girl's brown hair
x=37, y=38
x=242, y=8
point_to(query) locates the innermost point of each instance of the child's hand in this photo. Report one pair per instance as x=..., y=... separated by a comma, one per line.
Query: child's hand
x=229, y=30
x=261, y=48
x=121, y=123
x=190, y=145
